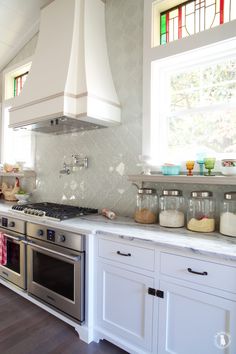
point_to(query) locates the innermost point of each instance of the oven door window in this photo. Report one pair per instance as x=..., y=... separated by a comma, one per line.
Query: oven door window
x=54, y=274
x=13, y=256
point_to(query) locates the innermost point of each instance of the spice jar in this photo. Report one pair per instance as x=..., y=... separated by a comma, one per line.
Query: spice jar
x=147, y=206
x=171, y=208
x=201, y=212
x=228, y=215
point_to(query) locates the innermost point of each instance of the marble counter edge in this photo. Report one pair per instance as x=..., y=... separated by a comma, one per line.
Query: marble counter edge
x=192, y=248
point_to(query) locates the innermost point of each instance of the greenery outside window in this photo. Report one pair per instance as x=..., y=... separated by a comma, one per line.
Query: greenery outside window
x=196, y=108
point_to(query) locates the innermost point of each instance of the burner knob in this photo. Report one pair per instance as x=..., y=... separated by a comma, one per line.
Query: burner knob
x=11, y=224
x=61, y=238
x=40, y=232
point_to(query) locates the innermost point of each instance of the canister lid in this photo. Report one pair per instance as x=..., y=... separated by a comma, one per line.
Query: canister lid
x=201, y=194
x=171, y=192
x=147, y=191
x=230, y=195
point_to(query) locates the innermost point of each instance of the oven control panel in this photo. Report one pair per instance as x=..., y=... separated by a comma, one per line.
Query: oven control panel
x=59, y=237
x=51, y=234
x=13, y=224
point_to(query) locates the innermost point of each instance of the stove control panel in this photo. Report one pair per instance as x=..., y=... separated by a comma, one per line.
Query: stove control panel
x=58, y=237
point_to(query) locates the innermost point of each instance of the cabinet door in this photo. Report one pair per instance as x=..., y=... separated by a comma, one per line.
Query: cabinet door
x=124, y=307
x=194, y=322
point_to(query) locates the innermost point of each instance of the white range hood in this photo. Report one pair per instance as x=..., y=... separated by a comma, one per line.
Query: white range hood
x=69, y=86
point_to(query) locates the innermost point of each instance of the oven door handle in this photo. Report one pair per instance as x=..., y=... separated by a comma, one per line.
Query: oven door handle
x=13, y=237
x=71, y=258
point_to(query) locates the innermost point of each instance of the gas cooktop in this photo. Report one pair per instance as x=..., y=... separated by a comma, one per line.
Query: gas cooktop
x=53, y=211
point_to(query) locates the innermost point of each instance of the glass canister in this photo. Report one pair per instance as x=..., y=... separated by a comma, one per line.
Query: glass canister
x=171, y=208
x=146, y=206
x=201, y=212
x=228, y=215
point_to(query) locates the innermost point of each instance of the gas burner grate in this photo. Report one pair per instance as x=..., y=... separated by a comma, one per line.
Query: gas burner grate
x=53, y=210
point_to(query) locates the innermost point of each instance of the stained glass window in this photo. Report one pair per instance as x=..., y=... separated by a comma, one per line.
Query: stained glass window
x=194, y=16
x=19, y=83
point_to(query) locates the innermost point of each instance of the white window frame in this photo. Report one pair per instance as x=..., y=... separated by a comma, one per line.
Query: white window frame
x=160, y=70
x=220, y=33
x=8, y=101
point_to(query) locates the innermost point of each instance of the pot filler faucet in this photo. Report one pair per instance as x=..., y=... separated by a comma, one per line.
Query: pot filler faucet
x=78, y=161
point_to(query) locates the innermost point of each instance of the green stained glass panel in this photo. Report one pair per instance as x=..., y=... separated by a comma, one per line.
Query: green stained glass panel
x=163, y=24
x=14, y=87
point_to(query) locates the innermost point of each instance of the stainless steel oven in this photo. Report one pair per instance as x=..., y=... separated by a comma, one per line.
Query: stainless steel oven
x=15, y=268
x=55, y=268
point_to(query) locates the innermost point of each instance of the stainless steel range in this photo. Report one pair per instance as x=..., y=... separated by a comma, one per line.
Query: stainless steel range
x=15, y=268
x=52, y=211
x=55, y=268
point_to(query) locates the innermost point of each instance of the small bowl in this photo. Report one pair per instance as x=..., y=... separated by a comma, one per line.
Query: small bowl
x=228, y=167
x=172, y=170
x=22, y=198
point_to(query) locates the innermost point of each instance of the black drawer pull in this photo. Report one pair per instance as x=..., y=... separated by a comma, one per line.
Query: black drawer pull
x=198, y=273
x=123, y=254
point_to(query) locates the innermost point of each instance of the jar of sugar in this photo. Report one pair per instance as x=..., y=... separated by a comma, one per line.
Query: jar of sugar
x=171, y=208
x=228, y=215
x=201, y=212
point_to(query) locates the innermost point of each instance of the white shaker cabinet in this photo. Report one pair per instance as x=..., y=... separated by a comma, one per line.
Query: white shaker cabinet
x=193, y=321
x=156, y=300
x=125, y=310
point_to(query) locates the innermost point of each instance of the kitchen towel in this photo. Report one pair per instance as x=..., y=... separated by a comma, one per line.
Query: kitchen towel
x=3, y=249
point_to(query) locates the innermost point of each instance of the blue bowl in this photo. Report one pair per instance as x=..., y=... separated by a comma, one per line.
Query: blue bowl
x=170, y=170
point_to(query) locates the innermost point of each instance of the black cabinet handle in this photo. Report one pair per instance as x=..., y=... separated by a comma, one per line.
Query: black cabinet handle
x=198, y=273
x=123, y=254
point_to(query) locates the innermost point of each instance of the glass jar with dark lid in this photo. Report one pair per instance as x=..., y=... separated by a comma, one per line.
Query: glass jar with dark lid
x=146, y=206
x=228, y=215
x=201, y=212
x=171, y=208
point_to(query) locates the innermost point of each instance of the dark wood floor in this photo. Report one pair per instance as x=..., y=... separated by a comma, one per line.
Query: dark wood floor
x=27, y=329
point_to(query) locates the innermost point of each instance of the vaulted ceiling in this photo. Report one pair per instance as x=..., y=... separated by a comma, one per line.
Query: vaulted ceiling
x=19, y=21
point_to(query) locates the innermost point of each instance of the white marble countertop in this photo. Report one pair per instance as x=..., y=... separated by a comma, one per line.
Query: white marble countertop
x=211, y=244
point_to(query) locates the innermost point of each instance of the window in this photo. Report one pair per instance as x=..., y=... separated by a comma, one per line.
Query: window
x=189, y=89
x=19, y=83
x=15, y=145
x=194, y=16
x=196, y=109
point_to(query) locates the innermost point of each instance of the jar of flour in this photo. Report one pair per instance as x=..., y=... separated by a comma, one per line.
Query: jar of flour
x=171, y=208
x=228, y=215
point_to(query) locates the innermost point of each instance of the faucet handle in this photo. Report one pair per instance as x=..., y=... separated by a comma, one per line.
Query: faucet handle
x=80, y=161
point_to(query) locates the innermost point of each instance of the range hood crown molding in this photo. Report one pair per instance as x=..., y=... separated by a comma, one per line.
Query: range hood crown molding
x=70, y=78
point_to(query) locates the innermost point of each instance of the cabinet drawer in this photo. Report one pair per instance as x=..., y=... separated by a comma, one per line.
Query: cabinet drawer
x=136, y=256
x=200, y=272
